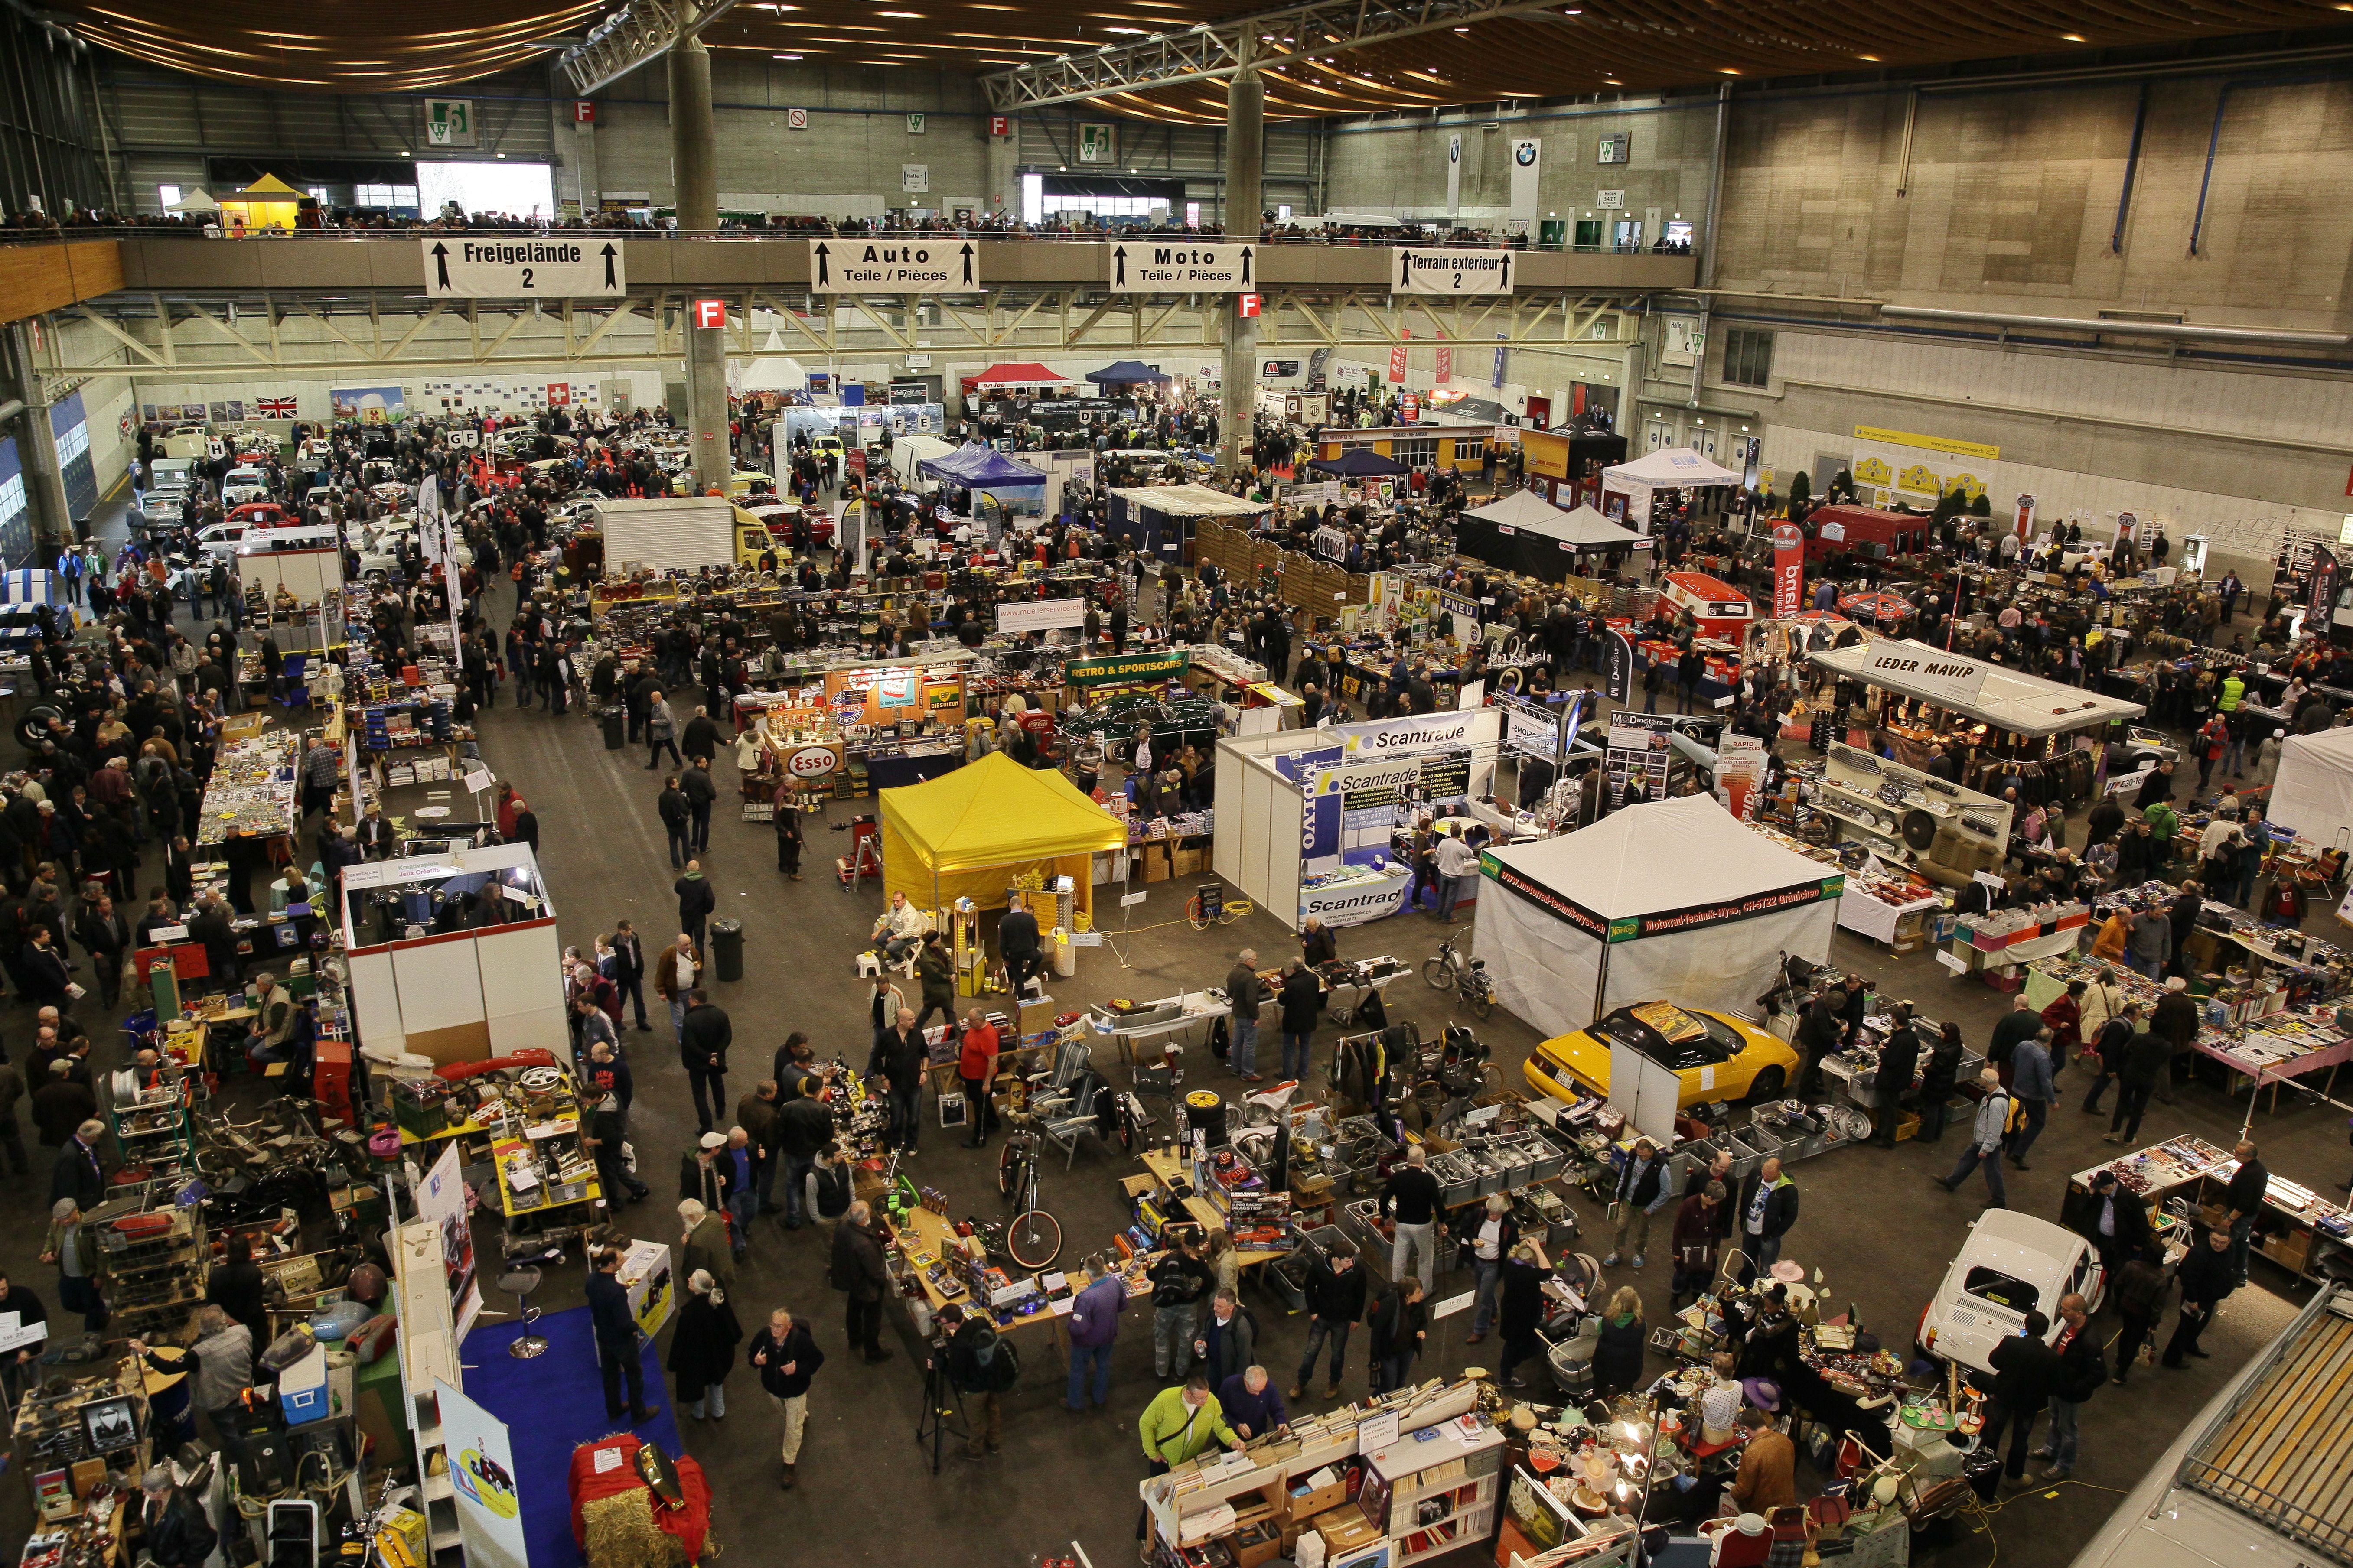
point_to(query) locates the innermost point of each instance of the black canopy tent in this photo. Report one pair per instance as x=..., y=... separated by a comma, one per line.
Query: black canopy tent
x=1524, y=532
x=1359, y=463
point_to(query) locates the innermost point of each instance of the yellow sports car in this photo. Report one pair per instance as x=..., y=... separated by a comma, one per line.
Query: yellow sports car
x=1717, y=1057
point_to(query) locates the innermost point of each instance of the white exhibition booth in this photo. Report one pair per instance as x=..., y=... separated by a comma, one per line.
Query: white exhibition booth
x=1674, y=899
x=1303, y=816
x=1627, y=489
x=453, y=956
x=2313, y=790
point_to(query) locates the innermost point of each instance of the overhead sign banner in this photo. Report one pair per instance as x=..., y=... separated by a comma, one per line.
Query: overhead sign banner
x=1122, y=668
x=1142, y=268
x=1098, y=143
x=1939, y=675
x=450, y=121
x=504, y=267
x=1788, y=570
x=1449, y=271
x=1528, y=156
x=1041, y=615
x=1454, y=175
x=949, y=266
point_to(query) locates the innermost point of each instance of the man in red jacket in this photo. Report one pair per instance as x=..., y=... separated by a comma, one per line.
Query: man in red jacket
x=977, y=1065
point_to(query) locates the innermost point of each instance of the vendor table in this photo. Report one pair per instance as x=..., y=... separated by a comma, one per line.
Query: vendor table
x=2301, y=1229
x=1170, y=1169
x=1973, y=958
x=2278, y=1046
x=1867, y=916
x=923, y=1232
x=1194, y=1008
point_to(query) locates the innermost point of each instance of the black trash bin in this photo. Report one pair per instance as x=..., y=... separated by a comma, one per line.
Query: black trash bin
x=616, y=727
x=727, y=949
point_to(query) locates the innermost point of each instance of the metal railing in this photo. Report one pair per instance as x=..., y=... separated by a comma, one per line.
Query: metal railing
x=1346, y=237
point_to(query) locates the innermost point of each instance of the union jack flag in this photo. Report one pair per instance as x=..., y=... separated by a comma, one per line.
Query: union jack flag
x=275, y=407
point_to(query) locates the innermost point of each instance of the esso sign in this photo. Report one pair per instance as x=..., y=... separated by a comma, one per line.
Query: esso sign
x=710, y=313
x=811, y=763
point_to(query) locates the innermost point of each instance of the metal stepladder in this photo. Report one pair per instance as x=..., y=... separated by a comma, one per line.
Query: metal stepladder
x=865, y=857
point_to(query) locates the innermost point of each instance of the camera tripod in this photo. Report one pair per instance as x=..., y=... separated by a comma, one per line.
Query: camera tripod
x=942, y=1414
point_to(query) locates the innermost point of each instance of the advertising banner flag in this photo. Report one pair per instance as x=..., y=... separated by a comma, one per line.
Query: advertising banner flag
x=1454, y=178
x=1397, y=364
x=1788, y=570
x=1527, y=158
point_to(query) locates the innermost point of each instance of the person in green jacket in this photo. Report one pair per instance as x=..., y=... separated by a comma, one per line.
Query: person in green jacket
x=1182, y=1422
x=2163, y=824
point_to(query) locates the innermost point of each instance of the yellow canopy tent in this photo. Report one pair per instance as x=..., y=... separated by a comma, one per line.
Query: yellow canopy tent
x=968, y=834
x=268, y=203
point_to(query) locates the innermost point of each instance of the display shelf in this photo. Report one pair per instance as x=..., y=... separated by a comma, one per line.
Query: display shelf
x=1469, y=1526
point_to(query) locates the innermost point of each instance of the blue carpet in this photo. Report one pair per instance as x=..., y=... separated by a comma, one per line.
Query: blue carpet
x=551, y=1404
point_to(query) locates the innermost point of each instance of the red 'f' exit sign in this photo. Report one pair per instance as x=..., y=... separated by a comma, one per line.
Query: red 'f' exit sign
x=711, y=312
x=1248, y=304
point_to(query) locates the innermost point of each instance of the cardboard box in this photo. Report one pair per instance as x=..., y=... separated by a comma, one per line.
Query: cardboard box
x=1036, y=1015
x=1155, y=859
x=1304, y=1502
x=1259, y=1543
x=1347, y=1529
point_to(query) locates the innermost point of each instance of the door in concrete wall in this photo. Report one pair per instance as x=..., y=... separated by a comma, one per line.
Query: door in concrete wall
x=616, y=397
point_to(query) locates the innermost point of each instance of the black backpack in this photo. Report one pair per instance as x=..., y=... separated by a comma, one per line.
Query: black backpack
x=996, y=1366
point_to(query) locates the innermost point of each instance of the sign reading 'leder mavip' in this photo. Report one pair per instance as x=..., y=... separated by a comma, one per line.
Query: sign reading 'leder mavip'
x=1144, y=268
x=504, y=268
x=1449, y=271
x=950, y=265
x=1934, y=674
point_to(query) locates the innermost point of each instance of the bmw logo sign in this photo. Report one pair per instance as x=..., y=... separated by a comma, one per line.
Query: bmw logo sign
x=1525, y=153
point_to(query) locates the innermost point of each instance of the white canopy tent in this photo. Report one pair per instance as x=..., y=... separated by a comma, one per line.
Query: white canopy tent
x=1673, y=900
x=1189, y=501
x=2313, y=791
x=199, y=200
x=1627, y=489
x=769, y=372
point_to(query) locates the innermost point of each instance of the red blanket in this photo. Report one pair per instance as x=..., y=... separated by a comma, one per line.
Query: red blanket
x=690, y=1525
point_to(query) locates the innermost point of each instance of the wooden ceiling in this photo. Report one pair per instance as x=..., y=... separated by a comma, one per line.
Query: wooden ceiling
x=1591, y=47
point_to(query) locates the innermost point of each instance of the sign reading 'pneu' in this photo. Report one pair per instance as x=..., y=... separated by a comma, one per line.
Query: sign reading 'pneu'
x=948, y=266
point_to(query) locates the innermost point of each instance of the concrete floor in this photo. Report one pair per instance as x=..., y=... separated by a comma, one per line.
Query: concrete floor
x=1872, y=1221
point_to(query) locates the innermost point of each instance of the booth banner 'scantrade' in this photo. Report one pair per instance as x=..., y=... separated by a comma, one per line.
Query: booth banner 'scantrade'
x=1354, y=903
x=1119, y=669
x=1449, y=271
x=1041, y=615
x=1941, y=677
x=946, y=266
x=1142, y=268
x=509, y=267
x=1419, y=732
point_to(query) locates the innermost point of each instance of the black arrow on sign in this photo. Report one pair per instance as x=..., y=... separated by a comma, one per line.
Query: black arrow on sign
x=609, y=281
x=1507, y=270
x=1119, y=265
x=823, y=276
x=967, y=264
x=1405, y=269
x=1246, y=261
x=441, y=261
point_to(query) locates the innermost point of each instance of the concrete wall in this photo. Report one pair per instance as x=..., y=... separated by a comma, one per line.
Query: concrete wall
x=1398, y=166
x=2012, y=199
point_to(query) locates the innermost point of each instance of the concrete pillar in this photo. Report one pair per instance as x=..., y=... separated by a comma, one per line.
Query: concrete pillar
x=1004, y=173
x=1245, y=170
x=694, y=171
x=37, y=450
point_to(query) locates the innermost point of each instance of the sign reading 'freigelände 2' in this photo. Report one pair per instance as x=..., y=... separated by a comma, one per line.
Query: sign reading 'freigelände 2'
x=514, y=267
x=949, y=265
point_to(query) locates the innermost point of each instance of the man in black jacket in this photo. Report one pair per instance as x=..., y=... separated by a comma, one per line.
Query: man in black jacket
x=2082, y=1370
x=1899, y=1058
x=2110, y=1045
x=703, y=1049
x=982, y=1365
x=2143, y=1068
x=898, y=1058
x=700, y=793
x=804, y=1126
x=1819, y=1031
x=2114, y=1221
x=172, y=1532
x=1411, y=1199
x=628, y=975
x=616, y=1330
x=2245, y=1201
x=1336, y=1299
x=2206, y=1278
x=786, y=1355
x=2026, y=1371
x=1017, y=942
x=859, y=1274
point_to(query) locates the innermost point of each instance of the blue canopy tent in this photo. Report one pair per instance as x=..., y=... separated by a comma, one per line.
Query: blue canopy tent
x=1359, y=463
x=984, y=471
x=1126, y=373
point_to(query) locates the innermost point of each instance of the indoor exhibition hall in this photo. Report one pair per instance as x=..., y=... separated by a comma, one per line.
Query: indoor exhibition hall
x=1491, y=781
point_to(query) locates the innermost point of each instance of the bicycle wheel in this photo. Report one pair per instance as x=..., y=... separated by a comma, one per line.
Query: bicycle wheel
x=1010, y=1161
x=1482, y=1002
x=1438, y=975
x=1035, y=1238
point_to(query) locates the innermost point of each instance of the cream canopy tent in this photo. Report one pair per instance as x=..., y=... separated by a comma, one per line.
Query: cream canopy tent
x=1668, y=469
x=1673, y=900
x=2313, y=791
x=770, y=373
x=970, y=833
x=199, y=200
